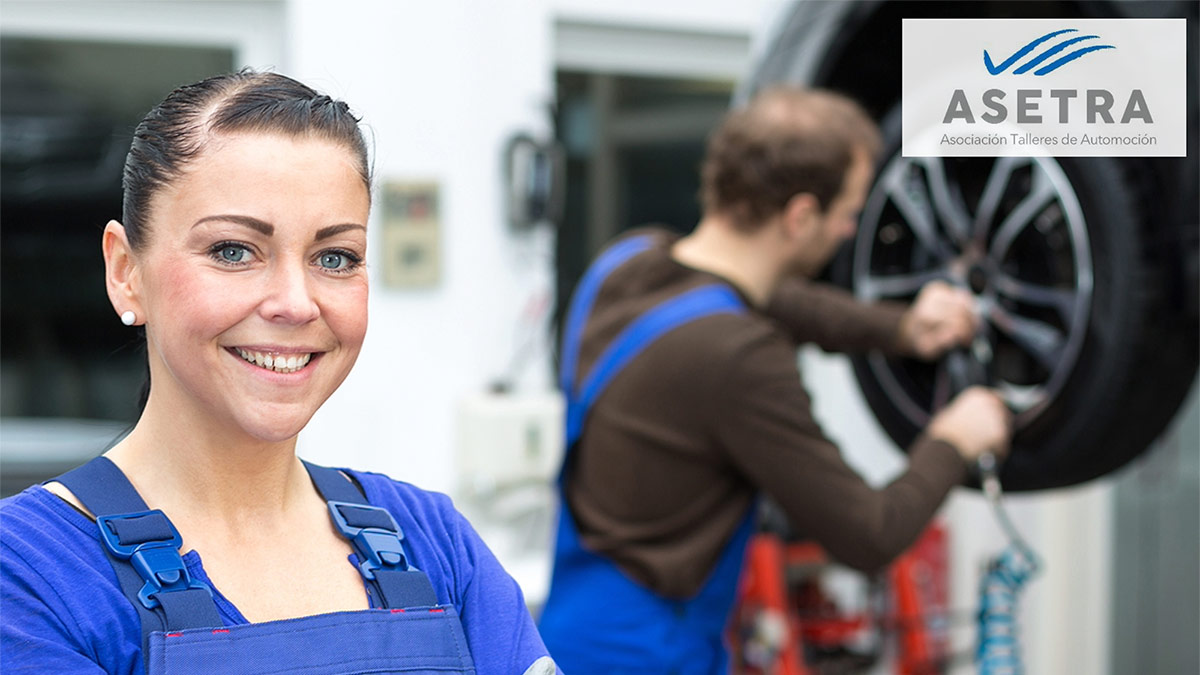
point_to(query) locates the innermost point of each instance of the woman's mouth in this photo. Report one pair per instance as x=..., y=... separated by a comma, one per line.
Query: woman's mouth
x=279, y=363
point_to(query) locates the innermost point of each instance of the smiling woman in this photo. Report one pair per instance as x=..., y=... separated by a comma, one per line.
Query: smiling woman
x=240, y=252
x=262, y=241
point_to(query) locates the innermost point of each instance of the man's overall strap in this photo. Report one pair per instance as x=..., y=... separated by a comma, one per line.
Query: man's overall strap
x=585, y=297
x=377, y=540
x=688, y=306
x=143, y=548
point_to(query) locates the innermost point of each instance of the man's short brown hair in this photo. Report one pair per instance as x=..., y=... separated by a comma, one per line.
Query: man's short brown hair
x=784, y=142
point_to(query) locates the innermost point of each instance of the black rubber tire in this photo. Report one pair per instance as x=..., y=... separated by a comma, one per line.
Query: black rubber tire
x=1136, y=364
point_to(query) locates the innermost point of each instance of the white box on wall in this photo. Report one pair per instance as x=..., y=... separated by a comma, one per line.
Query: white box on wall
x=505, y=440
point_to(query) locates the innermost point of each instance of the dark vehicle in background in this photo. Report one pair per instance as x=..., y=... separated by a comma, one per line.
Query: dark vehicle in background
x=1087, y=279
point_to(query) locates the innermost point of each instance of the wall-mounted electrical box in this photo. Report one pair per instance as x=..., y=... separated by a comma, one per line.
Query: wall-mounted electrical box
x=411, y=234
x=506, y=440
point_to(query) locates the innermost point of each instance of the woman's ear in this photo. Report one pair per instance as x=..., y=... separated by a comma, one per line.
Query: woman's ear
x=121, y=273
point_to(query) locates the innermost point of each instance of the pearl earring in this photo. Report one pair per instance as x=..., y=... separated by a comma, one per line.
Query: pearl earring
x=128, y=317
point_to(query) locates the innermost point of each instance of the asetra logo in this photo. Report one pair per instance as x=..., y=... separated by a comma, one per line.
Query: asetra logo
x=1048, y=53
x=1061, y=87
x=1098, y=102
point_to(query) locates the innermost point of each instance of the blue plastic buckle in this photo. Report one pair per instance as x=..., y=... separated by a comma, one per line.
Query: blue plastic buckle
x=157, y=561
x=377, y=548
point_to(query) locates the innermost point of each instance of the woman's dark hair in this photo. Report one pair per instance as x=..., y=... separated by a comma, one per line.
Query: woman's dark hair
x=177, y=130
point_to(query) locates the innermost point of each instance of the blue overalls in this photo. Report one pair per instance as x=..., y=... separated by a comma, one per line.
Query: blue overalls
x=406, y=631
x=597, y=619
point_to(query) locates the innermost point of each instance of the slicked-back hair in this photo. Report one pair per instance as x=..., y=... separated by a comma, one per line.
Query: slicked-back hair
x=785, y=141
x=178, y=129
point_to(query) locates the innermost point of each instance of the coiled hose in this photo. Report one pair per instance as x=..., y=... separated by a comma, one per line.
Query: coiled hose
x=999, y=650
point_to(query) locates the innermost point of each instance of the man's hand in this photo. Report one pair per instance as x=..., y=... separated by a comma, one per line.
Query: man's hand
x=975, y=422
x=941, y=318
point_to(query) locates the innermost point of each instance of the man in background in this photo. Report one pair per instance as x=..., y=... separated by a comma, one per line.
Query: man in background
x=684, y=401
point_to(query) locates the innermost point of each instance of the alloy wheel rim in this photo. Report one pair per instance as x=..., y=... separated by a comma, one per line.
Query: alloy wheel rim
x=1011, y=231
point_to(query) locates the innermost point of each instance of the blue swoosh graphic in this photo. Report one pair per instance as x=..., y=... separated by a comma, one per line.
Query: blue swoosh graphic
x=1050, y=52
x=1070, y=57
x=996, y=70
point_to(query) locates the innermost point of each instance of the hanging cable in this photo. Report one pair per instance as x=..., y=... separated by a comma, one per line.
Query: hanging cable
x=999, y=646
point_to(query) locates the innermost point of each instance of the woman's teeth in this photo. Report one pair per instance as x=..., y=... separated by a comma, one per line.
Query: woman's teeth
x=276, y=362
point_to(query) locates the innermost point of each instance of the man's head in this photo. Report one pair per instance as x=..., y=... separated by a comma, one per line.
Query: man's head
x=798, y=158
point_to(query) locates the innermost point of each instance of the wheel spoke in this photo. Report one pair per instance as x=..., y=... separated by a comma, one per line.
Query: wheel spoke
x=989, y=201
x=914, y=208
x=1060, y=299
x=949, y=209
x=899, y=285
x=1041, y=340
x=1041, y=194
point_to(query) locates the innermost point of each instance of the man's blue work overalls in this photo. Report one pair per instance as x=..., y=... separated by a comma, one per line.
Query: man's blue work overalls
x=597, y=619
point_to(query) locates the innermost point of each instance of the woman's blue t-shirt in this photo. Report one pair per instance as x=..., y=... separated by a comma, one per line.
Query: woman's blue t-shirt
x=62, y=610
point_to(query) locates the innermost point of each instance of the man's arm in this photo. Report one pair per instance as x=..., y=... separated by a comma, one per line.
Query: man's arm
x=940, y=318
x=833, y=319
x=766, y=426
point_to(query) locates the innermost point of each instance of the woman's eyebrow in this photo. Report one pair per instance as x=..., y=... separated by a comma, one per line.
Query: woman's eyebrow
x=326, y=232
x=249, y=221
x=269, y=229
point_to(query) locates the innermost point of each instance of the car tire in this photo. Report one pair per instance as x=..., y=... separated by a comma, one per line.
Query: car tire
x=1076, y=334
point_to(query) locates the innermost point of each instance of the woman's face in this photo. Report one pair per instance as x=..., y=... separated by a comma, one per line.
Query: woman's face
x=253, y=283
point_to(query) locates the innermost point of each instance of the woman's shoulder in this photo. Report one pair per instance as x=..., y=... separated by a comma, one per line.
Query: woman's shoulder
x=465, y=573
x=63, y=607
x=389, y=493
x=441, y=541
x=427, y=518
x=46, y=541
x=36, y=516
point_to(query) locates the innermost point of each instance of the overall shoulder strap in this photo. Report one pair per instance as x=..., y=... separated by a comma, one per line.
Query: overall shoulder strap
x=585, y=297
x=143, y=548
x=378, y=541
x=666, y=316
x=103, y=488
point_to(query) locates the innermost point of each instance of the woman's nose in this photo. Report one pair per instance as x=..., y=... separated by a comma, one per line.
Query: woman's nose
x=289, y=296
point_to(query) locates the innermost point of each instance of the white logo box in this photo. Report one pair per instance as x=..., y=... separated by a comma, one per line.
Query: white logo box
x=1130, y=71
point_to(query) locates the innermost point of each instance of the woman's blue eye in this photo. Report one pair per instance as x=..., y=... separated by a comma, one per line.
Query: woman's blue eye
x=333, y=261
x=232, y=254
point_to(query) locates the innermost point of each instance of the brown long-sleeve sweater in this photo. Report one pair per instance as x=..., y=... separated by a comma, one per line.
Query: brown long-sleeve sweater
x=676, y=449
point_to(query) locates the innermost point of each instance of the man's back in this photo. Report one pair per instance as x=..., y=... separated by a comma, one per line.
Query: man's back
x=675, y=450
